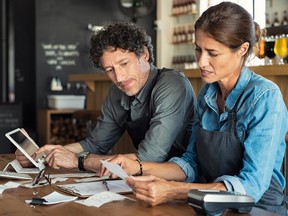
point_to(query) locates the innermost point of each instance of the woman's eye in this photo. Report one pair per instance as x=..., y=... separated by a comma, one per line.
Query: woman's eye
x=213, y=54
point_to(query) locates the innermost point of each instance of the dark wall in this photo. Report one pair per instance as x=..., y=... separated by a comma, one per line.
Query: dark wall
x=17, y=61
x=62, y=27
x=41, y=27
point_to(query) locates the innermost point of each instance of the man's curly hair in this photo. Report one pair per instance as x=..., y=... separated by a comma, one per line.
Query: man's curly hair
x=120, y=35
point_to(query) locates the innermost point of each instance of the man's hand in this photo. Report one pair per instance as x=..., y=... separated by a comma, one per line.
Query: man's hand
x=22, y=159
x=58, y=156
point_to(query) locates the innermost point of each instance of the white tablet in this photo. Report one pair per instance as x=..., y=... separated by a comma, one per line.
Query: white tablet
x=27, y=146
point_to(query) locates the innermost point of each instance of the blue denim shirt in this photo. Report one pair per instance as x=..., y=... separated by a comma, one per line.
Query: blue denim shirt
x=262, y=122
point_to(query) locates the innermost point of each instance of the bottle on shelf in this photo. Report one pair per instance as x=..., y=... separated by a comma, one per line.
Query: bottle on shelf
x=175, y=36
x=180, y=7
x=193, y=6
x=190, y=34
x=268, y=23
x=285, y=18
x=276, y=21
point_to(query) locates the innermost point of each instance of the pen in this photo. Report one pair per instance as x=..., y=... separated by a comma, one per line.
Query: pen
x=106, y=184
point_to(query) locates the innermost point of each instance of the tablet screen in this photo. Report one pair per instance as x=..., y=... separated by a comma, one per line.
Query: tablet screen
x=26, y=144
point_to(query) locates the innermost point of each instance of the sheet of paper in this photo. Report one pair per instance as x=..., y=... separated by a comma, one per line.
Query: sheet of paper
x=73, y=175
x=55, y=198
x=8, y=185
x=115, y=169
x=99, y=199
x=92, y=179
x=19, y=169
x=86, y=189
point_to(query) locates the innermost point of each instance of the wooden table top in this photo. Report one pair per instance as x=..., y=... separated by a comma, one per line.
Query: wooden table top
x=12, y=202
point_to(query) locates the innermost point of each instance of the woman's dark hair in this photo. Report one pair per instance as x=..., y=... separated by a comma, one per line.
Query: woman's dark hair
x=229, y=24
x=120, y=35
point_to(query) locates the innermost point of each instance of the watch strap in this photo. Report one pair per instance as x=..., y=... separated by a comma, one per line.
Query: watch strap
x=81, y=163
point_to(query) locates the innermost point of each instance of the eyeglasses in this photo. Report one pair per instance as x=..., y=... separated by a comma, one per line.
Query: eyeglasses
x=105, y=184
x=38, y=180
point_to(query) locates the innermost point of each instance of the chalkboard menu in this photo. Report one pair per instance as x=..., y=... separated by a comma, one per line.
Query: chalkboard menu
x=63, y=38
x=10, y=118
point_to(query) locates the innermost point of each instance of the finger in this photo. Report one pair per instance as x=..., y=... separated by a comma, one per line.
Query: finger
x=141, y=178
x=47, y=148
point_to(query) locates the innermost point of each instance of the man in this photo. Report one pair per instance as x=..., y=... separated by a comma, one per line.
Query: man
x=155, y=106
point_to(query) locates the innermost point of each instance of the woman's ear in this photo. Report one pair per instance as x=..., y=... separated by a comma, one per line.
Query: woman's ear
x=244, y=48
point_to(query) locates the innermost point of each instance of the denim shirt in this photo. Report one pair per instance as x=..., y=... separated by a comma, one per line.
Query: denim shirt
x=262, y=122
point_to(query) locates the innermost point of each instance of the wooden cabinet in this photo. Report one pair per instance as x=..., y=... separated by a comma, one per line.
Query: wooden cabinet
x=63, y=127
x=59, y=127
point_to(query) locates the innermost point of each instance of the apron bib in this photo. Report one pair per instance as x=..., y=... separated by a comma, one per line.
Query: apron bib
x=138, y=128
x=221, y=153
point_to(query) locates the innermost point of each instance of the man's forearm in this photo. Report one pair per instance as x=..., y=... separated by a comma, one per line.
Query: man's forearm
x=92, y=162
x=74, y=147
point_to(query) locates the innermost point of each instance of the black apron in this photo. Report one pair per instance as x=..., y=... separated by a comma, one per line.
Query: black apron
x=138, y=128
x=221, y=153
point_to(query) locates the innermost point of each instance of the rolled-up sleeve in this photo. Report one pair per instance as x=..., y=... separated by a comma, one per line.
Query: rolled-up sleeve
x=186, y=167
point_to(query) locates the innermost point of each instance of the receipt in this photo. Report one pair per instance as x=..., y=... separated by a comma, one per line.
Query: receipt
x=115, y=169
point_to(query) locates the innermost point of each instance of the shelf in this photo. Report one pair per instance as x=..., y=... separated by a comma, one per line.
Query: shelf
x=195, y=12
x=57, y=126
x=266, y=70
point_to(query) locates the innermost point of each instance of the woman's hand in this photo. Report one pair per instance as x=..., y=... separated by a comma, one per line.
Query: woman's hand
x=153, y=190
x=131, y=166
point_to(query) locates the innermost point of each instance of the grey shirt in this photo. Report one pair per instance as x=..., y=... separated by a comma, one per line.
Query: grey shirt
x=172, y=100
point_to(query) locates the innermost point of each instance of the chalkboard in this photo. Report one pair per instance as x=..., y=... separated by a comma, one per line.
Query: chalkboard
x=63, y=38
x=10, y=118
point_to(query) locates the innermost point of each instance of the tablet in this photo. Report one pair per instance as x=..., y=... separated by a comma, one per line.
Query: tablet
x=27, y=146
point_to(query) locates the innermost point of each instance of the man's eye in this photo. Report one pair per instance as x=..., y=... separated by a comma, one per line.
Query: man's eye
x=108, y=71
x=124, y=64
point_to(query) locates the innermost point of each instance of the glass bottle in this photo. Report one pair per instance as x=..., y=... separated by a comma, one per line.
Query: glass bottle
x=285, y=18
x=276, y=21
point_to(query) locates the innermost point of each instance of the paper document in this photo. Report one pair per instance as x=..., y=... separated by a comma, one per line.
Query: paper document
x=73, y=175
x=87, y=189
x=99, y=199
x=115, y=169
x=19, y=169
x=55, y=198
x=8, y=185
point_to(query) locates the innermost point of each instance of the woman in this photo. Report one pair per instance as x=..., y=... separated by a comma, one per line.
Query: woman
x=239, y=143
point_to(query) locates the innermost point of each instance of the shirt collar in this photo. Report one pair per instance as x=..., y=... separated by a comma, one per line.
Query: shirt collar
x=235, y=94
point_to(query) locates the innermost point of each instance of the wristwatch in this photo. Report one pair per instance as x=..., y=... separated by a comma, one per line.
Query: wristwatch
x=81, y=156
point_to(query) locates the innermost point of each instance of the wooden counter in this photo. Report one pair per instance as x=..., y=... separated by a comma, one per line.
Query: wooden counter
x=12, y=202
x=98, y=85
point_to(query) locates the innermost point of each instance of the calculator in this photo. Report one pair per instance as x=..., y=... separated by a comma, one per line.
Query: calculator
x=215, y=202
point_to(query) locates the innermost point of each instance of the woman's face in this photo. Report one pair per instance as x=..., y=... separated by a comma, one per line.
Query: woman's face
x=217, y=62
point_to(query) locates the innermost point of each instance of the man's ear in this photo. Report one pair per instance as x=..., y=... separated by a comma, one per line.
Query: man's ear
x=146, y=54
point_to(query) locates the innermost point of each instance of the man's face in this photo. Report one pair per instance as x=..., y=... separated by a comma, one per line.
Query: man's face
x=126, y=70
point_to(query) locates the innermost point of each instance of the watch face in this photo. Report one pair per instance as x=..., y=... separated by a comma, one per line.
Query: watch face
x=82, y=154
